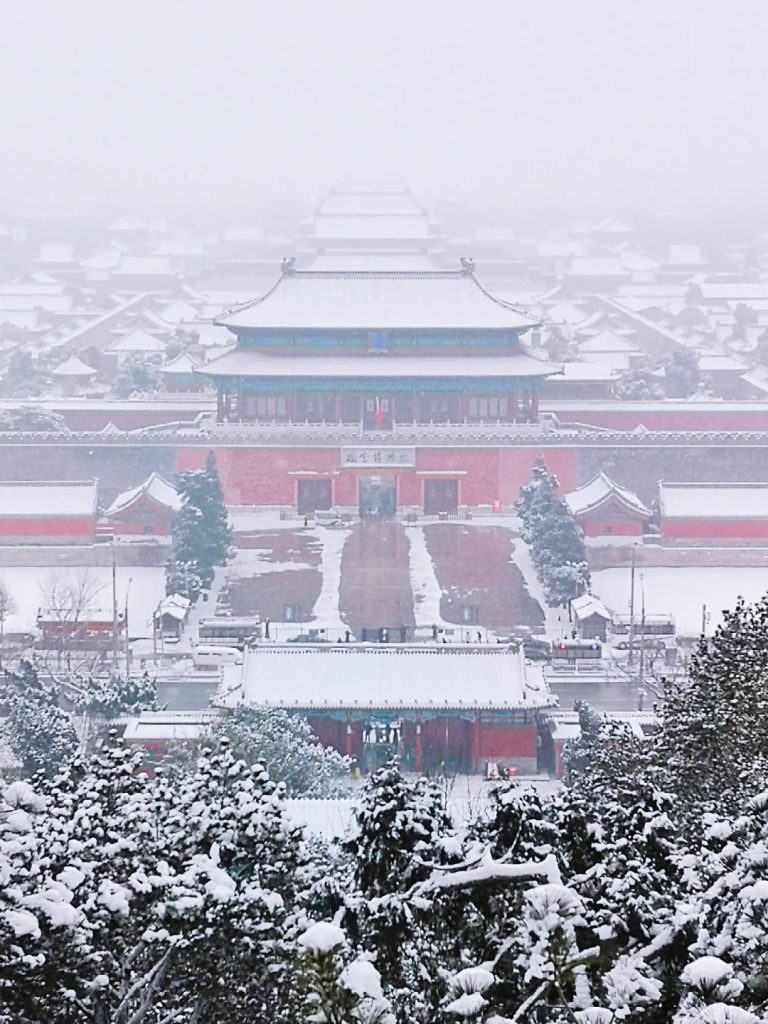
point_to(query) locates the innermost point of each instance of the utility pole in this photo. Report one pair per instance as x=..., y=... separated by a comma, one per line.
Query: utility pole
x=127, y=631
x=642, y=631
x=631, y=659
x=115, y=640
x=703, y=620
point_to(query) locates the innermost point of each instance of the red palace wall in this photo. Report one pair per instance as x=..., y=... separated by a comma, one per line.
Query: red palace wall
x=441, y=739
x=611, y=528
x=162, y=527
x=268, y=476
x=748, y=529
x=500, y=741
x=50, y=528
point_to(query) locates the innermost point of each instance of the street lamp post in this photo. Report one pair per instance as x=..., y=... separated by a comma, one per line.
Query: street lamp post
x=125, y=627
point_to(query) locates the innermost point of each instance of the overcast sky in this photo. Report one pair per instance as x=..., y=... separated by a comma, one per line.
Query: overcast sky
x=612, y=104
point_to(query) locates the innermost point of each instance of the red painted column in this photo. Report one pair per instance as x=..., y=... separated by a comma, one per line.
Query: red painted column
x=476, y=741
x=349, y=739
x=417, y=747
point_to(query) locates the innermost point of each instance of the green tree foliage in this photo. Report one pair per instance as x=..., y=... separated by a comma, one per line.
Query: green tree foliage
x=137, y=376
x=555, y=538
x=714, y=739
x=202, y=535
x=397, y=824
x=129, y=898
x=36, y=729
x=636, y=895
x=681, y=374
x=639, y=384
x=33, y=419
x=26, y=376
x=284, y=744
x=118, y=695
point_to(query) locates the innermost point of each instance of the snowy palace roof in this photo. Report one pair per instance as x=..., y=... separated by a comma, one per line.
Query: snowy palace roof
x=137, y=341
x=37, y=500
x=183, y=363
x=384, y=300
x=247, y=362
x=74, y=367
x=155, y=487
x=713, y=501
x=587, y=605
x=600, y=489
x=376, y=676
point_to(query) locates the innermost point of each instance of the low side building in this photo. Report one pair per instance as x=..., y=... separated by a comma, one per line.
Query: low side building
x=714, y=513
x=37, y=512
x=146, y=510
x=591, y=617
x=165, y=733
x=559, y=728
x=451, y=706
x=604, y=509
x=179, y=375
x=171, y=615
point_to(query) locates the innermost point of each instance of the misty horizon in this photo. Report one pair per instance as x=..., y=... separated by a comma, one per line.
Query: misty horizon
x=555, y=109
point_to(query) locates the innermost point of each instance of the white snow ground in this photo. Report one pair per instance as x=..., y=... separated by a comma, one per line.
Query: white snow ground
x=426, y=590
x=326, y=609
x=26, y=585
x=681, y=592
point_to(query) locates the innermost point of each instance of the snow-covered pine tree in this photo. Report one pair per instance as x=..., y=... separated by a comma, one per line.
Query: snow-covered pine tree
x=555, y=538
x=398, y=823
x=536, y=502
x=118, y=695
x=714, y=736
x=202, y=535
x=148, y=898
x=283, y=742
x=558, y=552
x=203, y=491
x=228, y=823
x=38, y=731
x=539, y=474
x=183, y=577
x=331, y=987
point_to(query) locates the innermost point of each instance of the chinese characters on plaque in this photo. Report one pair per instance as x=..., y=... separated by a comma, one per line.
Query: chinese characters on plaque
x=378, y=457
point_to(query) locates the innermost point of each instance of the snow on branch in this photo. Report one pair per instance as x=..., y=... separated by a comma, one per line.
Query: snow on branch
x=490, y=873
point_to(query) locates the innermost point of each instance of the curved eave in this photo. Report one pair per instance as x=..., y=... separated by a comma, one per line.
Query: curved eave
x=416, y=708
x=613, y=496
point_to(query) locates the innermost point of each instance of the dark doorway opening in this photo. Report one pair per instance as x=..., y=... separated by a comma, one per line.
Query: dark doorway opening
x=314, y=496
x=441, y=496
x=378, y=497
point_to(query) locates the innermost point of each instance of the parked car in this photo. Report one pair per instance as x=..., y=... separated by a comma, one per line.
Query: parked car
x=537, y=650
x=212, y=657
x=652, y=643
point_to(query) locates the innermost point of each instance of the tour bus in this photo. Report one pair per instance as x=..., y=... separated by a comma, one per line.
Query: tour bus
x=229, y=632
x=646, y=626
x=213, y=657
x=570, y=651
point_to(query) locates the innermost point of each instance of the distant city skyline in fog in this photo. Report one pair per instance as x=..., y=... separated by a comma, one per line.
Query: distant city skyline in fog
x=576, y=107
